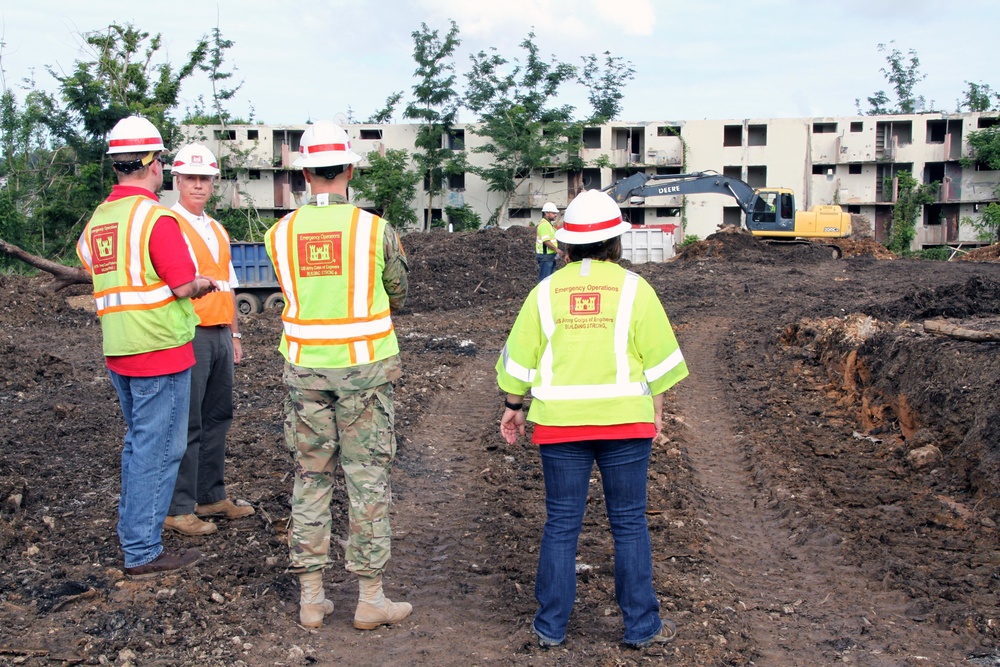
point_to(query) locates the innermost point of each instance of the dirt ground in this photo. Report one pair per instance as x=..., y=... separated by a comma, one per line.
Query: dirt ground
x=825, y=490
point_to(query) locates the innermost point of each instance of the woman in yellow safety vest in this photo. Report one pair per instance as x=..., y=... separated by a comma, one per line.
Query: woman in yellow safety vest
x=595, y=349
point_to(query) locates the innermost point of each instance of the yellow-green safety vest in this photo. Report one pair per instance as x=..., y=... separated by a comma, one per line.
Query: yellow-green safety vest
x=138, y=310
x=593, y=345
x=329, y=262
x=544, y=232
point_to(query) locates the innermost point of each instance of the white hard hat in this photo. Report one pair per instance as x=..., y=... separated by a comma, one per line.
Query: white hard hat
x=549, y=207
x=195, y=160
x=134, y=134
x=325, y=144
x=591, y=217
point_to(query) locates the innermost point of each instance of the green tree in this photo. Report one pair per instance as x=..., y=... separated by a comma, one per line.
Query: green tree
x=461, y=218
x=979, y=97
x=390, y=185
x=523, y=130
x=435, y=106
x=212, y=65
x=54, y=144
x=910, y=198
x=604, y=85
x=384, y=115
x=985, y=148
x=903, y=74
x=988, y=223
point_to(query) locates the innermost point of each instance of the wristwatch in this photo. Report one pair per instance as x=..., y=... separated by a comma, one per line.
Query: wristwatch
x=237, y=335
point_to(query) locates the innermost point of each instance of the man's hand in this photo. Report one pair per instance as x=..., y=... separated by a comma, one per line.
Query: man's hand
x=197, y=288
x=237, y=351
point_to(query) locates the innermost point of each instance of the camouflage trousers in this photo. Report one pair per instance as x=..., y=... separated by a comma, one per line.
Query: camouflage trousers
x=356, y=427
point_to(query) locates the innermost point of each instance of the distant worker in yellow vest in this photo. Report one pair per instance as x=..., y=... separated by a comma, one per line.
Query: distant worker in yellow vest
x=342, y=271
x=200, y=489
x=546, y=247
x=144, y=281
x=594, y=348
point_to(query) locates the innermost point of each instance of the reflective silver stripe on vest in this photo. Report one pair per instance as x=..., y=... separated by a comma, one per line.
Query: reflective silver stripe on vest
x=622, y=387
x=516, y=370
x=136, y=276
x=224, y=286
x=670, y=363
x=83, y=247
x=283, y=258
x=132, y=299
x=362, y=264
x=590, y=391
x=321, y=332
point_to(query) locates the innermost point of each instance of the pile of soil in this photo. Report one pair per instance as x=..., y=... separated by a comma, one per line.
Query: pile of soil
x=990, y=253
x=824, y=489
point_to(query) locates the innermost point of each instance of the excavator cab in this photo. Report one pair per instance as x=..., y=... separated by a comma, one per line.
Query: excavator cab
x=771, y=211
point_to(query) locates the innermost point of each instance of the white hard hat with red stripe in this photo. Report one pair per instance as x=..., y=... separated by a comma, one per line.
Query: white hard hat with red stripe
x=591, y=217
x=325, y=144
x=195, y=160
x=134, y=134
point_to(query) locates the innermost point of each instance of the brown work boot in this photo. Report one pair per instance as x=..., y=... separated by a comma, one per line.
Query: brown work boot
x=189, y=524
x=168, y=561
x=226, y=508
x=313, y=605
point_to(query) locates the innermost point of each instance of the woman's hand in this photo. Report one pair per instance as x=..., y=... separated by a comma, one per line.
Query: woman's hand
x=511, y=424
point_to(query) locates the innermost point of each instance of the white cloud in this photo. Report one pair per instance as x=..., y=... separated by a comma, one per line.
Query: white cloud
x=634, y=17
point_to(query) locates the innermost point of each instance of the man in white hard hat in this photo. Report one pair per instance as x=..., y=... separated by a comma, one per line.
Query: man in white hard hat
x=144, y=281
x=200, y=489
x=342, y=271
x=546, y=247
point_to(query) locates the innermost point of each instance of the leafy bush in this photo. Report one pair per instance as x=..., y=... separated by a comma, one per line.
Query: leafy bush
x=939, y=253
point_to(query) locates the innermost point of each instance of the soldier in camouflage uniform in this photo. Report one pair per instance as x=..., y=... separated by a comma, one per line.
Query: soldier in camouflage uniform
x=342, y=270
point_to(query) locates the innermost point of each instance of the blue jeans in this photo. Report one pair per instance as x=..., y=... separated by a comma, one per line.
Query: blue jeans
x=546, y=265
x=156, y=414
x=567, y=467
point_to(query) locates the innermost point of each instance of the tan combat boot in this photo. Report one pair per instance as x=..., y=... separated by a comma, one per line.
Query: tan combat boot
x=374, y=608
x=313, y=605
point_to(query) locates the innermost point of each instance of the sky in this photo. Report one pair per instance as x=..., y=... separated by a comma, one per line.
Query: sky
x=693, y=60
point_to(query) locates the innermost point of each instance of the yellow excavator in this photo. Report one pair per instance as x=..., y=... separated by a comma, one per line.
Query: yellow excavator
x=769, y=213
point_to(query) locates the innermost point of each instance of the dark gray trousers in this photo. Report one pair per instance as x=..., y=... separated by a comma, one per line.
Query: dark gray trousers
x=201, y=477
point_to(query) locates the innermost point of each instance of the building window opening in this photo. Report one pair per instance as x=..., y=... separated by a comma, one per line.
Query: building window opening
x=824, y=128
x=591, y=137
x=732, y=135
x=253, y=135
x=371, y=135
x=757, y=135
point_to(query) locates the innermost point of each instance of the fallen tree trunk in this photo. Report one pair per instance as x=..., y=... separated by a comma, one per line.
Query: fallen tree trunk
x=943, y=328
x=63, y=276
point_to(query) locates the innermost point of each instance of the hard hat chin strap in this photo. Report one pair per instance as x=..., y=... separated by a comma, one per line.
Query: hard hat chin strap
x=135, y=165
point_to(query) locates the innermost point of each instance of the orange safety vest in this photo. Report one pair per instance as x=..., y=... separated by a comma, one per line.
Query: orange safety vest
x=217, y=307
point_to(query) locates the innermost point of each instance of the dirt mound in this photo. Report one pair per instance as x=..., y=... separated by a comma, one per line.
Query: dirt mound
x=863, y=247
x=976, y=296
x=990, y=253
x=450, y=271
x=736, y=244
